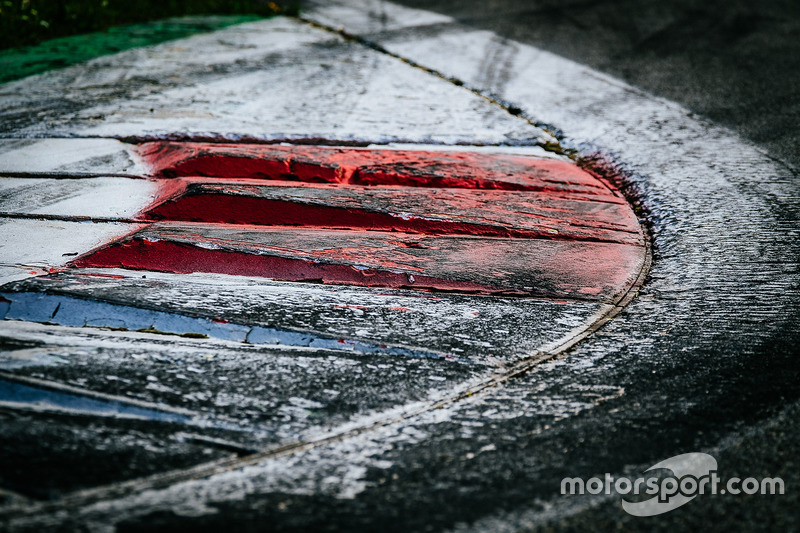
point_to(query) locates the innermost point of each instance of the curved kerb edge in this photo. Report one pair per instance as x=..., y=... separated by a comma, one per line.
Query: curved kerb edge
x=553, y=350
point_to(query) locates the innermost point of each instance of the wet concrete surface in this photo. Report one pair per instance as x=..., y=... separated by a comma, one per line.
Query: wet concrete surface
x=736, y=63
x=255, y=78
x=495, y=463
x=704, y=358
x=709, y=348
x=472, y=329
x=47, y=455
x=270, y=393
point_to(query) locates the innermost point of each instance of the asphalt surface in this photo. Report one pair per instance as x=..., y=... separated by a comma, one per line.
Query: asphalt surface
x=738, y=64
x=703, y=359
x=735, y=62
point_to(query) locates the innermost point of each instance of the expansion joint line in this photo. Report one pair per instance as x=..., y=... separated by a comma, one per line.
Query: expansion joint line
x=163, y=480
x=555, y=147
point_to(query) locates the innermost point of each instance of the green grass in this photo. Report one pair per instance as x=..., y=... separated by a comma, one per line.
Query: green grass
x=38, y=36
x=16, y=63
x=27, y=22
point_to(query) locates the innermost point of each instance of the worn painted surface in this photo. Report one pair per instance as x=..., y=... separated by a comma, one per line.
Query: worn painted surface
x=706, y=349
x=598, y=254
x=385, y=190
x=544, y=267
x=86, y=198
x=34, y=247
x=277, y=79
x=407, y=209
x=81, y=157
x=69, y=158
x=469, y=328
x=238, y=399
x=207, y=355
x=418, y=168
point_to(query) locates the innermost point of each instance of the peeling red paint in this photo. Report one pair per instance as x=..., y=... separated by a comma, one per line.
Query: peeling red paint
x=257, y=211
x=164, y=256
x=560, y=269
x=438, y=221
x=407, y=209
x=319, y=164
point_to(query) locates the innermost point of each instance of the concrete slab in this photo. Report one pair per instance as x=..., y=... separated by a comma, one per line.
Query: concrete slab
x=705, y=349
x=469, y=328
x=276, y=79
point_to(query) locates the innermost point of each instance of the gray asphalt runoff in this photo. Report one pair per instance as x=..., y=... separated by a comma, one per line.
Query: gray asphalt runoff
x=735, y=62
x=704, y=359
x=723, y=377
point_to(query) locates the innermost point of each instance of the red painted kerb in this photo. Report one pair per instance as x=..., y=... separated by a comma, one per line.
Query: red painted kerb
x=386, y=196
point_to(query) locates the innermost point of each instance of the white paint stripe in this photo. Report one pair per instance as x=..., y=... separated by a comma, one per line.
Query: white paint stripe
x=104, y=198
x=29, y=247
x=69, y=156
